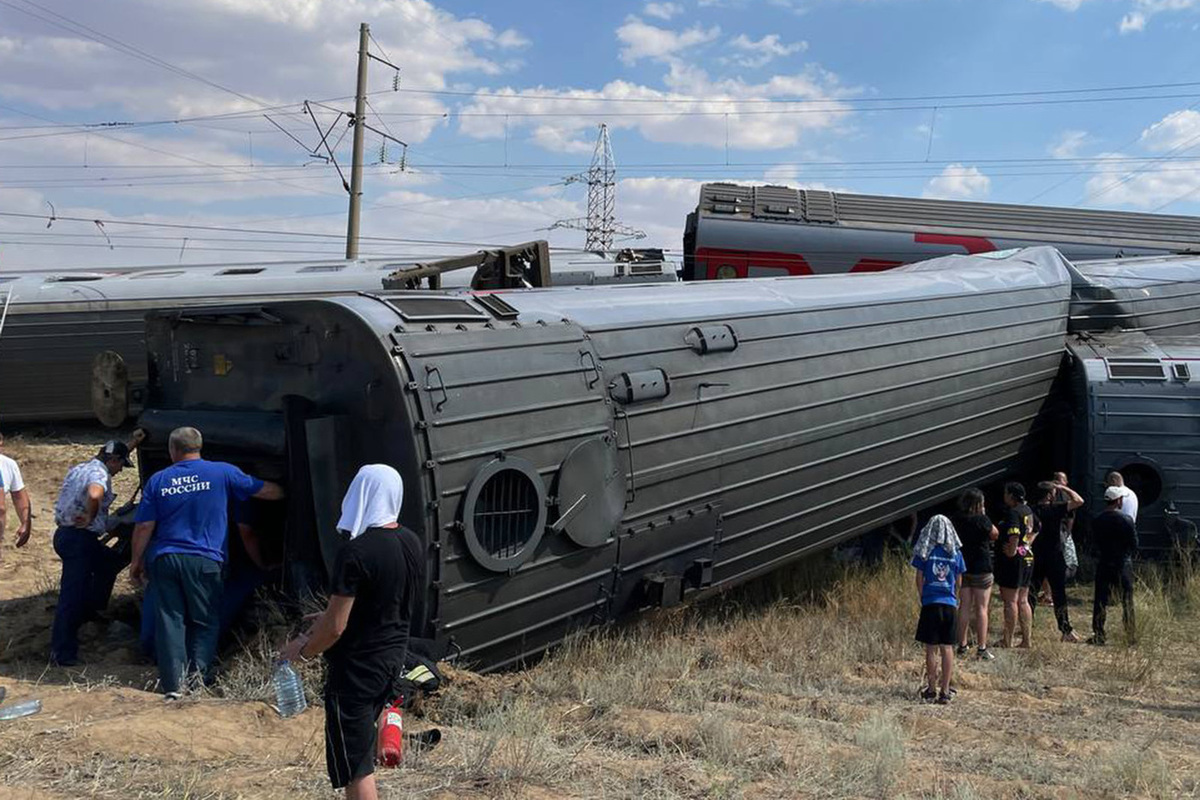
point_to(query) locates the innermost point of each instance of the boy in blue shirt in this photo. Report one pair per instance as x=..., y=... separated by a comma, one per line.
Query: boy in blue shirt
x=179, y=539
x=940, y=567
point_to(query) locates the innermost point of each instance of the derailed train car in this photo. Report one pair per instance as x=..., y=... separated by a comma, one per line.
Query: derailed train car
x=57, y=323
x=571, y=456
x=1131, y=385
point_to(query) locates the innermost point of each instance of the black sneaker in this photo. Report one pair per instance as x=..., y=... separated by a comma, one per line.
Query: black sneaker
x=928, y=695
x=983, y=654
x=1095, y=641
x=961, y=650
x=943, y=698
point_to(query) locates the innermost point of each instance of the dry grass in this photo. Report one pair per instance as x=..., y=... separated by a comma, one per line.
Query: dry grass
x=800, y=685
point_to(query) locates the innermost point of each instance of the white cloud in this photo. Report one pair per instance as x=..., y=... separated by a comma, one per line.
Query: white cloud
x=958, y=182
x=1174, y=131
x=662, y=10
x=277, y=51
x=1136, y=19
x=692, y=110
x=1133, y=22
x=1144, y=187
x=1068, y=144
x=758, y=53
x=1065, y=5
x=640, y=40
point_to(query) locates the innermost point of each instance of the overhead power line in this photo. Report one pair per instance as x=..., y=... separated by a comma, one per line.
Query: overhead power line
x=517, y=95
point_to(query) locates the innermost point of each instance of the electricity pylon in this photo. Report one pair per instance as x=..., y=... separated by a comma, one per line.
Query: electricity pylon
x=600, y=224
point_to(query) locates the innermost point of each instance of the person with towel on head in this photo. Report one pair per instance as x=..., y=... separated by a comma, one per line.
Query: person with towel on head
x=375, y=588
x=938, y=559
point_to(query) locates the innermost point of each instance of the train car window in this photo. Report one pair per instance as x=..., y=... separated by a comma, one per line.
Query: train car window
x=496, y=305
x=324, y=268
x=167, y=274
x=1181, y=371
x=435, y=309
x=77, y=277
x=241, y=271
x=1136, y=369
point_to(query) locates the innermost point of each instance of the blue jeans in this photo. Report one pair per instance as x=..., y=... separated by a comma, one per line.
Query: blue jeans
x=89, y=570
x=187, y=600
x=240, y=586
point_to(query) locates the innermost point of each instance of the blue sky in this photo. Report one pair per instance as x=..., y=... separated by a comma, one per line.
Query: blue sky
x=499, y=103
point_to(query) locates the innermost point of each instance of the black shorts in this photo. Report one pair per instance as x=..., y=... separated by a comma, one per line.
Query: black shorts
x=937, y=624
x=350, y=737
x=1014, y=573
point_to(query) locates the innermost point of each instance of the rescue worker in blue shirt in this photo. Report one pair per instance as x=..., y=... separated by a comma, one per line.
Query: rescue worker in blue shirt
x=89, y=569
x=179, y=539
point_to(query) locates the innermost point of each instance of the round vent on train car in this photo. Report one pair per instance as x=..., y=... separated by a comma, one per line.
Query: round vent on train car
x=1145, y=481
x=504, y=513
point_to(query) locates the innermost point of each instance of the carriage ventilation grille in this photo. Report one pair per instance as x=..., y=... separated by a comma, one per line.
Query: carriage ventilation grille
x=504, y=514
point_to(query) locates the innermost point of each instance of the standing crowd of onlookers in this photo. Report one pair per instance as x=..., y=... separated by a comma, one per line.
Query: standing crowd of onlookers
x=1022, y=551
x=180, y=546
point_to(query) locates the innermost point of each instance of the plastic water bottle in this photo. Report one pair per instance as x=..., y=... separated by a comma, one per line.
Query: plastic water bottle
x=289, y=690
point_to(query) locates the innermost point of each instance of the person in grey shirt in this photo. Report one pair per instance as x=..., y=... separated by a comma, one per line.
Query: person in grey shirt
x=89, y=569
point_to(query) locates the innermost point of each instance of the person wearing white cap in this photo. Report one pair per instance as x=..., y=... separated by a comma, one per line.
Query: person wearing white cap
x=375, y=588
x=1129, y=498
x=1116, y=544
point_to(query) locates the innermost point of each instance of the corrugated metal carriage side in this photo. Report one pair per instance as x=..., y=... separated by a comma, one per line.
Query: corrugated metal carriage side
x=826, y=422
x=571, y=456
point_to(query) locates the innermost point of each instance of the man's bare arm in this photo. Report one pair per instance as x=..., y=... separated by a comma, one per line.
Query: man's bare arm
x=141, y=538
x=270, y=491
x=24, y=516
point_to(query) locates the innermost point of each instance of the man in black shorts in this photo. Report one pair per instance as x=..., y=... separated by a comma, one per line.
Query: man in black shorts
x=1014, y=563
x=1049, y=562
x=376, y=585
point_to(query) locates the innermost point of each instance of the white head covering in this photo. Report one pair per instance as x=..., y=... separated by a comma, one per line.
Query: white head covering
x=938, y=530
x=373, y=499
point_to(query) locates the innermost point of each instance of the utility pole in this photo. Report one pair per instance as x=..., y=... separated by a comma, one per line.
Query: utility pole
x=356, y=168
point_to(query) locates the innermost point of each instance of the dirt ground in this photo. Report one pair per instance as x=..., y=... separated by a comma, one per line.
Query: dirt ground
x=798, y=686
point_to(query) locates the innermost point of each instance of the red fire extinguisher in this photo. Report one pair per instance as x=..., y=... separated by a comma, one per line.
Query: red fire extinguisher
x=390, y=746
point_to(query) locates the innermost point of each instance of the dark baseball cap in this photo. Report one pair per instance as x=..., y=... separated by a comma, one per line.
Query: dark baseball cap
x=115, y=449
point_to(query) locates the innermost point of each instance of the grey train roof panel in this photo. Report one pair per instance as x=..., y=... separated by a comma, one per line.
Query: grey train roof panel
x=745, y=422
x=782, y=204
x=1159, y=295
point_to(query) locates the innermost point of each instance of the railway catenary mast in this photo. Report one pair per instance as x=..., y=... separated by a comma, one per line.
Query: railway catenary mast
x=758, y=231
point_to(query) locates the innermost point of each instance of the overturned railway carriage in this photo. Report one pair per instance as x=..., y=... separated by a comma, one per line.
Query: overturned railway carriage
x=767, y=231
x=59, y=322
x=1132, y=384
x=574, y=455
